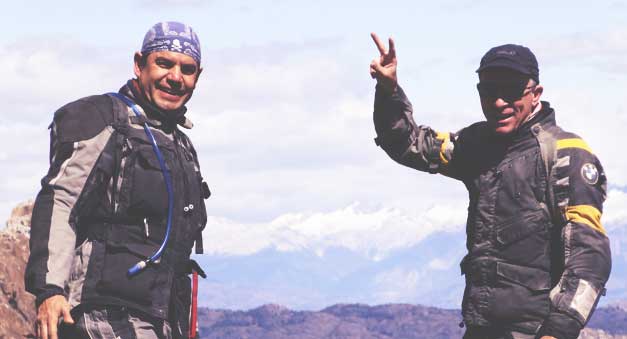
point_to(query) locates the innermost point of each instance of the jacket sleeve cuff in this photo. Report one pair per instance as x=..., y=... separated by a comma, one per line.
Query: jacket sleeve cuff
x=47, y=292
x=561, y=326
x=383, y=95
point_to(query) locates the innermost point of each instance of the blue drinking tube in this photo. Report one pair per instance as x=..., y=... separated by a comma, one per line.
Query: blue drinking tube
x=168, y=184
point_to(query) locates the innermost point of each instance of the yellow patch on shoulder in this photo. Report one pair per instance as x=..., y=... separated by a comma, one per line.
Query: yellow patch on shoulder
x=573, y=143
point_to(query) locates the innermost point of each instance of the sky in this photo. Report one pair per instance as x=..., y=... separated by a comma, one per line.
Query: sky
x=283, y=110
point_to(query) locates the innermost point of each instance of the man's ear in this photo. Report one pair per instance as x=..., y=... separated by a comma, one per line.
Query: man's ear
x=537, y=93
x=137, y=64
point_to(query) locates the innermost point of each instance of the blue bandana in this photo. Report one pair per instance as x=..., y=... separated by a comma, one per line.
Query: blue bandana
x=174, y=37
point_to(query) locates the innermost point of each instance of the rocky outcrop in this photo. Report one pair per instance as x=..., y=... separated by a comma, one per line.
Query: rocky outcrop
x=17, y=307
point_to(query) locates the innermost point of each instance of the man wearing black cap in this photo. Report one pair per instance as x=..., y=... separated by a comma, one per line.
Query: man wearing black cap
x=122, y=204
x=538, y=257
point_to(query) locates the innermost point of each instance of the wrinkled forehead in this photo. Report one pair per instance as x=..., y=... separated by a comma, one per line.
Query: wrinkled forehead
x=503, y=75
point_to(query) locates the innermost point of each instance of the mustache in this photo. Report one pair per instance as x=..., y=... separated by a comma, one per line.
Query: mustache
x=172, y=91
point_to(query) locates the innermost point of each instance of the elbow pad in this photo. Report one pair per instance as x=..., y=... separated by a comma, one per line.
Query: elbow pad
x=576, y=297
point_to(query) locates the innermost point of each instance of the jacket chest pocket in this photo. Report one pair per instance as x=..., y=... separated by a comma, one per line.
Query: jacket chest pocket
x=521, y=184
x=524, y=239
x=144, y=184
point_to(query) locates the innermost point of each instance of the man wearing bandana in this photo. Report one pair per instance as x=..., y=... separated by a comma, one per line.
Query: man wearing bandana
x=538, y=257
x=104, y=204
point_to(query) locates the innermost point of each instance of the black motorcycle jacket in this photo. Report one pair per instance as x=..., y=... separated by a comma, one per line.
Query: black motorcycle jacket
x=103, y=207
x=538, y=257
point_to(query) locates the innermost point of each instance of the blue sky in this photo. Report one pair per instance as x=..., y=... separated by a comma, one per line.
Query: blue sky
x=283, y=114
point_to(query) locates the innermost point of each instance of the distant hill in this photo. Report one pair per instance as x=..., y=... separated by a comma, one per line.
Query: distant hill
x=339, y=321
x=363, y=322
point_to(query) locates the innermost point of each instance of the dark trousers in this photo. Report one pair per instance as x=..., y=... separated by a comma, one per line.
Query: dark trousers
x=114, y=323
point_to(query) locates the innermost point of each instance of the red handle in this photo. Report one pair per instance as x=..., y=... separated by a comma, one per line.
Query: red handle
x=193, y=316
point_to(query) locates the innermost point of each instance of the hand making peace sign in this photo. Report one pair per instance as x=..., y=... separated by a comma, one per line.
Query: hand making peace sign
x=383, y=68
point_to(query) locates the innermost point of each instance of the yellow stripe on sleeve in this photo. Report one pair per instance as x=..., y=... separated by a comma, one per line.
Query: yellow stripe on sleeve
x=585, y=214
x=573, y=143
x=446, y=138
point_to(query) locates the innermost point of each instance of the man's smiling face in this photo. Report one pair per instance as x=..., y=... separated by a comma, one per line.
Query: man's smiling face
x=507, y=98
x=167, y=79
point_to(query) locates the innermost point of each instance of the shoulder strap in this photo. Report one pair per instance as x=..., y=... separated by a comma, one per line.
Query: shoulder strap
x=204, y=187
x=120, y=109
x=548, y=151
x=120, y=125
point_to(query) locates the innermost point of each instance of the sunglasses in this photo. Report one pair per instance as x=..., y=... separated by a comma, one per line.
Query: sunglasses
x=508, y=92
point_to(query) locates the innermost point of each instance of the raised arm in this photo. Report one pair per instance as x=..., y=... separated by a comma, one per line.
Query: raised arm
x=418, y=147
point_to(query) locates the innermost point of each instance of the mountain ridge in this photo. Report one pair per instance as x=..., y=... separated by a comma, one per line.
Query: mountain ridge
x=362, y=321
x=270, y=321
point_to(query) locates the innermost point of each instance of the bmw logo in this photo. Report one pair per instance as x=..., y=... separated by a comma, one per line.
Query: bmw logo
x=590, y=173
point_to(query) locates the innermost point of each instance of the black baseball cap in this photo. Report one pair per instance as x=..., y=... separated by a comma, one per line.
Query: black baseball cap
x=515, y=57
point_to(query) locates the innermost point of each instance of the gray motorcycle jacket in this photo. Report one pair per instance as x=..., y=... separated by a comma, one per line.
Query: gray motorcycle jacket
x=527, y=269
x=103, y=207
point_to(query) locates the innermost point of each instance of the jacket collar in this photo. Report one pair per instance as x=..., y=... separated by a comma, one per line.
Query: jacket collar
x=545, y=117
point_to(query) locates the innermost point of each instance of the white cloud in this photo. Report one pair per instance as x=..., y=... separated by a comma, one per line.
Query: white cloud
x=23, y=163
x=418, y=285
x=373, y=234
x=27, y=139
x=282, y=128
x=614, y=211
x=47, y=72
x=440, y=264
x=603, y=50
x=397, y=285
x=289, y=135
x=587, y=43
x=159, y=4
x=279, y=128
